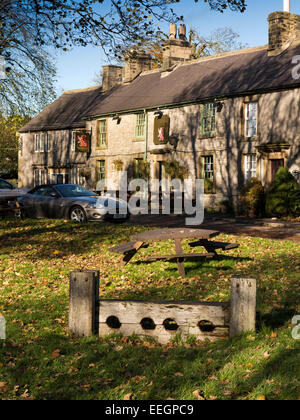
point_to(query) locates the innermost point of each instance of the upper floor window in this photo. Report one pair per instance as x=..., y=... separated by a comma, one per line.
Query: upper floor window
x=208, y=119
x=140, y=125
x=73, y=141
x=42, y=142
x=102, y=134
x=251, y=116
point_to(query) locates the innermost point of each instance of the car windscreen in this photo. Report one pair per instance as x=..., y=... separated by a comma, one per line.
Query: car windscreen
x=74, y=191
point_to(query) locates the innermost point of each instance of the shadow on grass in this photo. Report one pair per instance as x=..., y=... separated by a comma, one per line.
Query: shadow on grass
x=111, y=368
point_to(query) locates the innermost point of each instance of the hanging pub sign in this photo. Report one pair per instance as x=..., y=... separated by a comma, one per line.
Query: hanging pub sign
x=82, y=141
x=161, y=129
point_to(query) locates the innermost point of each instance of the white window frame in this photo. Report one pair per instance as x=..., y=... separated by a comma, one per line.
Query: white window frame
x=55, y=175
x=73, y=141
x=102, y=134
x=48, y=142
x=40, y=177
x=36, y=143
x=42, y=142
x=251, y=115
x=140, y=125
x=250, y=167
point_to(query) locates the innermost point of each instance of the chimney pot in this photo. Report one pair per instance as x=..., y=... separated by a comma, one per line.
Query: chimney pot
x=182, y=32
x=173, y=31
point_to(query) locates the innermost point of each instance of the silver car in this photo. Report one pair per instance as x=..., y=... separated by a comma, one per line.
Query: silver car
x=71, y=201
x=8, y=196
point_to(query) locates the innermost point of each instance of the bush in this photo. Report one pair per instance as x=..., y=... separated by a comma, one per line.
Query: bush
x=283, y=197
x=253, y=198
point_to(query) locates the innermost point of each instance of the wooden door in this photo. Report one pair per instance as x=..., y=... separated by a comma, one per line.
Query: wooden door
x=275, y=165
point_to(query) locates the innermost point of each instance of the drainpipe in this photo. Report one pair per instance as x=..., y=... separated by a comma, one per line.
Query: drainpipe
x=146, y=136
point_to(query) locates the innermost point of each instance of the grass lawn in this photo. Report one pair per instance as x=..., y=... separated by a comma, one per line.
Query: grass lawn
x=38, y=360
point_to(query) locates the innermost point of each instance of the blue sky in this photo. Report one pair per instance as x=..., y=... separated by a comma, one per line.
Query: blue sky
x=76, y=68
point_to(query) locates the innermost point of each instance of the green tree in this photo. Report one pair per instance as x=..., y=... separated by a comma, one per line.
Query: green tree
x=9, y=144
x=283, y=196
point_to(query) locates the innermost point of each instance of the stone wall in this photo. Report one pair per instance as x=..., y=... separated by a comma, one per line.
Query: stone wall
x=284, y=28
x=278, y=124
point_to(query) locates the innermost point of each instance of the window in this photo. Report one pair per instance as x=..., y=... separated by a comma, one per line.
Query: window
x=36, y=142
x=137, y=169
x=250, y=164
x=208, y=119
x=40, y=177
x=60, y=178
x=5, y=185
x=73, y=141
x=102, y=134
x=140, y=125
x=101, y=170
x=48, y=142
x=76, y=177
x=42, y=142
x=44, y=191
x=251, y=111
x=208, y=174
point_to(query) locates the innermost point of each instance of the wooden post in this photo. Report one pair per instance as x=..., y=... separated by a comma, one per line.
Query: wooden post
x=83, y=309
x=242, y=305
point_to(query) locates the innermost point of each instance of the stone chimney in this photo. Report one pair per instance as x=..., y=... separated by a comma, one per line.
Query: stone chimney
x=135, y=63
x=111, y=76
x=284, y=29
x=176, y=49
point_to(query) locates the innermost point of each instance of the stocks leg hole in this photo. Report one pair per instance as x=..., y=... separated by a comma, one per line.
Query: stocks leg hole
x=113, y=322
x=206, y=326
x=170, y=324
x=148, y=324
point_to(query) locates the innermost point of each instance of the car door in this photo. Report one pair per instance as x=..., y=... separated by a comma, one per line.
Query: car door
x=46, y=202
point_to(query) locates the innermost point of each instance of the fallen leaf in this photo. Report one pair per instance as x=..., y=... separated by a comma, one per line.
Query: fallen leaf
x=198, y=395
x=3, y=387
x=128, y=397
x=55, y=354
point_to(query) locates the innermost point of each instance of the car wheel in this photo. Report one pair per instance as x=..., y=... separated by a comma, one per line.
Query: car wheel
x=77, y=214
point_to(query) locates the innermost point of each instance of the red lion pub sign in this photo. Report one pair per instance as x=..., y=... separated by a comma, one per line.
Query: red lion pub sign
x=82, y=141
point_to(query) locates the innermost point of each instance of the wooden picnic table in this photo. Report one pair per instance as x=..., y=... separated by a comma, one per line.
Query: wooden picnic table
x=203, y=236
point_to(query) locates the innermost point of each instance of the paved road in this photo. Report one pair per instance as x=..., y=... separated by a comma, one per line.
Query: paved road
x=226, y=225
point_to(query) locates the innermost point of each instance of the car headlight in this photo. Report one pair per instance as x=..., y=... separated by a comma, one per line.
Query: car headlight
x=92, y=206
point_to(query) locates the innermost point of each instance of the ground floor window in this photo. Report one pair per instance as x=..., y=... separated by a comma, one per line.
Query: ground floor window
x=76, y=177
x=208, y=174
x=250, y=165
x=60, y=178
x=101, y=170
x=40, y=177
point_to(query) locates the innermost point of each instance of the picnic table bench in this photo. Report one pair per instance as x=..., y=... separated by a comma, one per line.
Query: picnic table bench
x=203, y=236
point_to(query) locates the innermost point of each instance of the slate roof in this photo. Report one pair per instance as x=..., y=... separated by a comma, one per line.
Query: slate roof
x=242, y=72
x=66, y=112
